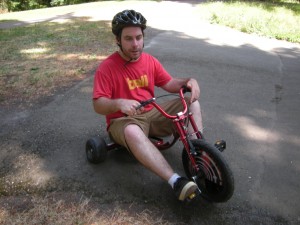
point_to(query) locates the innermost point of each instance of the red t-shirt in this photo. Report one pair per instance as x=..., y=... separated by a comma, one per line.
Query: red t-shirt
x=115, y=78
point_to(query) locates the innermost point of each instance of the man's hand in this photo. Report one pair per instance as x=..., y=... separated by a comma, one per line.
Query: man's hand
x=192, y=84
x=174, y=85
x=129, y=107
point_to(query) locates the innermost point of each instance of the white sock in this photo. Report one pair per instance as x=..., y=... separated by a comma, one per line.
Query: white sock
x=173, y=179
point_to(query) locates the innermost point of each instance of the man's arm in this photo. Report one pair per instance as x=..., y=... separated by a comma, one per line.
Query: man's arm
x=105, y=106
x=175, y=84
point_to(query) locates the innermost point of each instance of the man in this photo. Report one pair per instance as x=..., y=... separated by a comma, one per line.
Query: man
x=127, y=77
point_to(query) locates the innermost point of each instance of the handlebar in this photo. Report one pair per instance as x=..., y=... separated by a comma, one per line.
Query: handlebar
x=185, y=89
x=144, y=103
x=182, y=91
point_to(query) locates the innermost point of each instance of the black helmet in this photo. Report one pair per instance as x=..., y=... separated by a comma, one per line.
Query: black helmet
x=127, y=18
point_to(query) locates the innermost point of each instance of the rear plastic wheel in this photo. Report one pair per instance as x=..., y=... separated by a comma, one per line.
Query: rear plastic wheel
x=96, y=150
x=214, y=177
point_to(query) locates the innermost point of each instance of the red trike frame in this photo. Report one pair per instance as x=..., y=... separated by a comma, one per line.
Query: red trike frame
x=182, y=131
x=179, y=121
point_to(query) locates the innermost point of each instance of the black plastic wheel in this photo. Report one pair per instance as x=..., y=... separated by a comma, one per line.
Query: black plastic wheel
x=214, y=177
x=96, y=150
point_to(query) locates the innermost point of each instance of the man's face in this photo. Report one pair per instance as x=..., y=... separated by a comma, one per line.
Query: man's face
x=132, y=42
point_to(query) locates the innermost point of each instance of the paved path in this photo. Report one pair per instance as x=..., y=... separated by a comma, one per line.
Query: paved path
x=250, y=97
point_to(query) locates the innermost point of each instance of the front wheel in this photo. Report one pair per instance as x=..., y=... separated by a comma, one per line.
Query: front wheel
x=214, y=177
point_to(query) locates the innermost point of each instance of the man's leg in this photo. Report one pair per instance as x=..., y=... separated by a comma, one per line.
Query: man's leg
x=149, y=156
x=195, y=108
x=146, y=153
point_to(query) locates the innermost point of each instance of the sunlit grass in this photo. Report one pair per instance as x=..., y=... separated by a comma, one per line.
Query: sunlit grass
x=279, y=20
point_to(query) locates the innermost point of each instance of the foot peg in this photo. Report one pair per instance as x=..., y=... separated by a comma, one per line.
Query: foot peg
x=192, y=196
x=220, y=145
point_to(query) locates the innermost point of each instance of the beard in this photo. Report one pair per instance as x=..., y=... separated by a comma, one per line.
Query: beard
x=132, y=54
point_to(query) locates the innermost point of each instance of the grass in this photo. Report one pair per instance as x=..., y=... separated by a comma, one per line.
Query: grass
x=37, y=59
x=278, y=20
x=49, y=210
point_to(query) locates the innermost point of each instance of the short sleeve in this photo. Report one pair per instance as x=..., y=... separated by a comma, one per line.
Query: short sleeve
x=102, y=83
x=162, y=77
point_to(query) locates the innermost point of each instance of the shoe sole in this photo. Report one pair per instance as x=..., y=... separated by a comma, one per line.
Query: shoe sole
x=187, y=190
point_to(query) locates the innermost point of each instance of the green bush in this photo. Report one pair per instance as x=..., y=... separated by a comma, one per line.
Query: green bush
x=68, y=2
x=20, y=5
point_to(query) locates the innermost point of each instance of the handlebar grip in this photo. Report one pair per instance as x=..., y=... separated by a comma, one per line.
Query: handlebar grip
x=144, y=103
x=185, y=89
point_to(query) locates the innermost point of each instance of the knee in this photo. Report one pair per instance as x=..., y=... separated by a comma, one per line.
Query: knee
x=196, y=104
x=195, y=107
x=131, y=131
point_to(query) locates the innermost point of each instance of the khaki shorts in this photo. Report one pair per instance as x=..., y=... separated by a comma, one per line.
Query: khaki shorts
x=153, y=123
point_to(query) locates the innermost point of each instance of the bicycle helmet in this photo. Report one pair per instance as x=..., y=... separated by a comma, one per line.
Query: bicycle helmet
x=127, y=18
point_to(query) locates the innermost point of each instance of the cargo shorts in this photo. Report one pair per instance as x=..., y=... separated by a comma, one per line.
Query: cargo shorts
x=153, y=123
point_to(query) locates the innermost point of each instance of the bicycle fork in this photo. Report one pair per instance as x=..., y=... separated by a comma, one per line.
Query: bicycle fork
x=189, y=147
